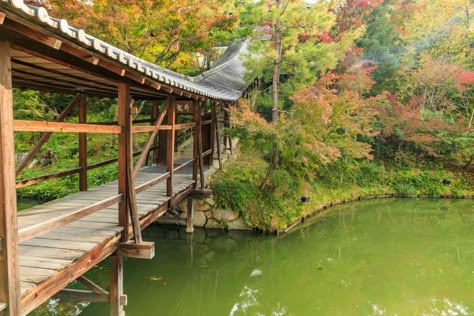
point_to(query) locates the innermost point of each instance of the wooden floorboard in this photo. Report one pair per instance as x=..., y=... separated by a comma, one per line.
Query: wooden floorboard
x=74, y=248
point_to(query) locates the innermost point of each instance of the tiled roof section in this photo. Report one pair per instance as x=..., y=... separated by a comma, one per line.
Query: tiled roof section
x=229, y=72
x=224, y=82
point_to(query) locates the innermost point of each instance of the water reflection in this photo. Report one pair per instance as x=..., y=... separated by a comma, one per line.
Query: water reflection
x=388, y=257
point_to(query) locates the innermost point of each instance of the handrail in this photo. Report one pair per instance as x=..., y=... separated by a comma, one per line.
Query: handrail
x=43, y=126
x=53, y=223
x=149, y=184
x=207, y=153
x=184, y=165
x=52, y=176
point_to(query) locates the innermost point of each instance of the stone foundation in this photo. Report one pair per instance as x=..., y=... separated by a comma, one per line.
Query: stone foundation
x=207, y=215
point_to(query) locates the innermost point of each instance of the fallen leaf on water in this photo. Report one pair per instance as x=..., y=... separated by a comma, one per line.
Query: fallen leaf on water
x=156, y=278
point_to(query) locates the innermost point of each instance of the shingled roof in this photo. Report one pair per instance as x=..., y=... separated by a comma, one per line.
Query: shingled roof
x=225, y=81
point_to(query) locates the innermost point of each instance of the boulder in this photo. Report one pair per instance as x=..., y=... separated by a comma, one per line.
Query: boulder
x=199, y=219
x=223, y=215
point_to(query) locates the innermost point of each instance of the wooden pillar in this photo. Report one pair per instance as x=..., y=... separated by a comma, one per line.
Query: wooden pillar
x=196, y=119
x=227, y=125
x=82, y=115
x=116, y=286
x=170, y=144
x=124, y=121
x=217, y=135
x=154, y=117
x=9, y=268
x=212, y=137
x=199, y=140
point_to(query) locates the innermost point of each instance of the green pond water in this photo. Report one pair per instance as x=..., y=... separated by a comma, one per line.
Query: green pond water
x=383, y=257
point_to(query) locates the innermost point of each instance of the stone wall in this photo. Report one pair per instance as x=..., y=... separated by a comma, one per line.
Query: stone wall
x=206, y=213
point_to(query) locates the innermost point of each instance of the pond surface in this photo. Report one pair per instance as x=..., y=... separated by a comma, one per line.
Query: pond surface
x=384, y=257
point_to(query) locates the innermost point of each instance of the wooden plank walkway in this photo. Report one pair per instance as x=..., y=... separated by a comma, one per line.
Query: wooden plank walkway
x=60, y=256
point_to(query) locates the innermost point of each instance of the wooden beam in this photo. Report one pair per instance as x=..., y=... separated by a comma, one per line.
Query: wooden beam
x=149, y=142
x=91, y=285
x=170, y=144
x=53, y=223
x=148, y=129
x=184, y=125
x=45, y=136
x=82, y=115
x=116, y=286
x=41, y=126
x=9, y=262
x=87, y=296
x=92, y=83
x=82, y=296
x=62, y=278
x=200, y=194
x=143, y=250
x=180, y=196
x=123, y=110
x=50, y=41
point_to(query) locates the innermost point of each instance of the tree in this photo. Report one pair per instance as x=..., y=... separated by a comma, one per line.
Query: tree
x=165, y=32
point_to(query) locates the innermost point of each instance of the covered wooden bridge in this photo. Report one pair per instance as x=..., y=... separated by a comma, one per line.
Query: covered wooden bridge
x=45, y=248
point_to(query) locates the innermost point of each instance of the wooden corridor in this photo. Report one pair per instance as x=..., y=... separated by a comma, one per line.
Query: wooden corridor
x=47, y=247
x=53, y=258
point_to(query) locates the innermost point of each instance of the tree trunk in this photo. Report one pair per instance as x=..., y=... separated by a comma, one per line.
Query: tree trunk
x=271, y=168
x=276, y=63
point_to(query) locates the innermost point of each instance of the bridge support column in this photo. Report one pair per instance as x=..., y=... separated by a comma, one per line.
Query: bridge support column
x=9, y=268
x=116, y=286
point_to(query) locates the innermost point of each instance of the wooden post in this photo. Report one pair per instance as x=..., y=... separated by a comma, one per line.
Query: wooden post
x=196, y=119
x=82, y=115
x=212, y=137
x=227, y=138
x=9, y=266
x=217, y=135
x=116, y=286
x=154, y=117
x=199, y=146
x=123, y=109
x=170, y=144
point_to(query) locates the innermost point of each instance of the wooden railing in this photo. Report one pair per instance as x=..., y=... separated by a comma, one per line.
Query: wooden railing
x=60, y=174
x=111, y=128
x=53, y=223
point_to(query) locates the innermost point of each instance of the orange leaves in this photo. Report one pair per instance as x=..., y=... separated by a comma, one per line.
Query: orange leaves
x=335, y=116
